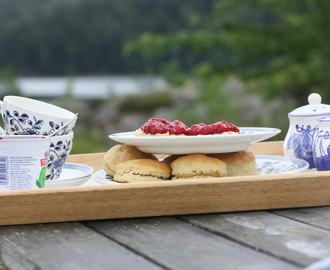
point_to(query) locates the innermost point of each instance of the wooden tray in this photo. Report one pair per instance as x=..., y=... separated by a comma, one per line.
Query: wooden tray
x=193, y=196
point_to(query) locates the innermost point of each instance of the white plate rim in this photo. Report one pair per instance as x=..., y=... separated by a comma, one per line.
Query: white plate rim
x=255, y=132
x=67, y=183
x=196, y=144
x=86, y=169
x=101, y=179
x=301, y=165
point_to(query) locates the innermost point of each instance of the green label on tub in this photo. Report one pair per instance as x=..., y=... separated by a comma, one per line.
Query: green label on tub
x=42, y=177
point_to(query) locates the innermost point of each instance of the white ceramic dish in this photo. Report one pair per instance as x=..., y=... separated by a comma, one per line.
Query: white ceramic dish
x=102, y=178
x=73, y=174
x=67, y=183
x=280, y=165
x=266, y=165
x=196, y=144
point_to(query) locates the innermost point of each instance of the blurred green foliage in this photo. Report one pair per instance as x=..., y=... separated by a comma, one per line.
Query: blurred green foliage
x=8, y=85
x=277, y=48
x=61, y=37
x=89, y=140
x=145, y=103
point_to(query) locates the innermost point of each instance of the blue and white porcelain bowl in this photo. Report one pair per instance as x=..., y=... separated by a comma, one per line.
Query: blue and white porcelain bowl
x=59, y=149
x=25, y=116
x=321, y=147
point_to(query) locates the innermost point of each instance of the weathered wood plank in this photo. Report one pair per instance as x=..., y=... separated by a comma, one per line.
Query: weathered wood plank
x=179, y=245
x=3, y=266
x=317, y=216
x=285, y=238
x=65, y=246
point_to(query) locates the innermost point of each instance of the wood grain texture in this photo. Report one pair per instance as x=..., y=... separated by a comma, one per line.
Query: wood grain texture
x=316, y=216
x=274, y=148
x=293, y=241
x=65, y=246
x=179, y=245
x=180, y=197
x=94, y=160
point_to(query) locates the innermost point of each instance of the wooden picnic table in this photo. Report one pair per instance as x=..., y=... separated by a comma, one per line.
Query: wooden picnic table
x=265, y=239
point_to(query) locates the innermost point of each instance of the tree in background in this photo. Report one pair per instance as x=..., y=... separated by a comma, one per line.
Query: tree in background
x=84, y=37
x=278, y=50
x=8, y=85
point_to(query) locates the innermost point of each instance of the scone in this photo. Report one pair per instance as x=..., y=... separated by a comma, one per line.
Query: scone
x=239, y=163
x=120, y=153
x=197, y=166
x=142, y=170
x=169, y=159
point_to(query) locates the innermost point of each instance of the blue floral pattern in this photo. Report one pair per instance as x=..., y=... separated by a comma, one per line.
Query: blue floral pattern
x=302, y=142
x=58, y=154
x=280, y=165
x=23, y=124
x=322, y=155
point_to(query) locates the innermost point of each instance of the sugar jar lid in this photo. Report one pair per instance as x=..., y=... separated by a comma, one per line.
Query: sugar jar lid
x=315, y=107
x=324, y=119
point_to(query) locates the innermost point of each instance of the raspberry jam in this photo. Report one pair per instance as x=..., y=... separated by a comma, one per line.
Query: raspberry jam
x=162, y=126
x=216, y=128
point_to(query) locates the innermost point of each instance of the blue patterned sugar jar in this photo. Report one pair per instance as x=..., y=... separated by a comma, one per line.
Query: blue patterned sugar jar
x=303, y=129
x=321, y=147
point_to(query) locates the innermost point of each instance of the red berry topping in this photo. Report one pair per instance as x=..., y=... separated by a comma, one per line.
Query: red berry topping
x=216, y=128
x=163, y=126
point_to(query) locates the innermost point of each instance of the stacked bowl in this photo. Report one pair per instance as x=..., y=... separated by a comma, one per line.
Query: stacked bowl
x=25, y=118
